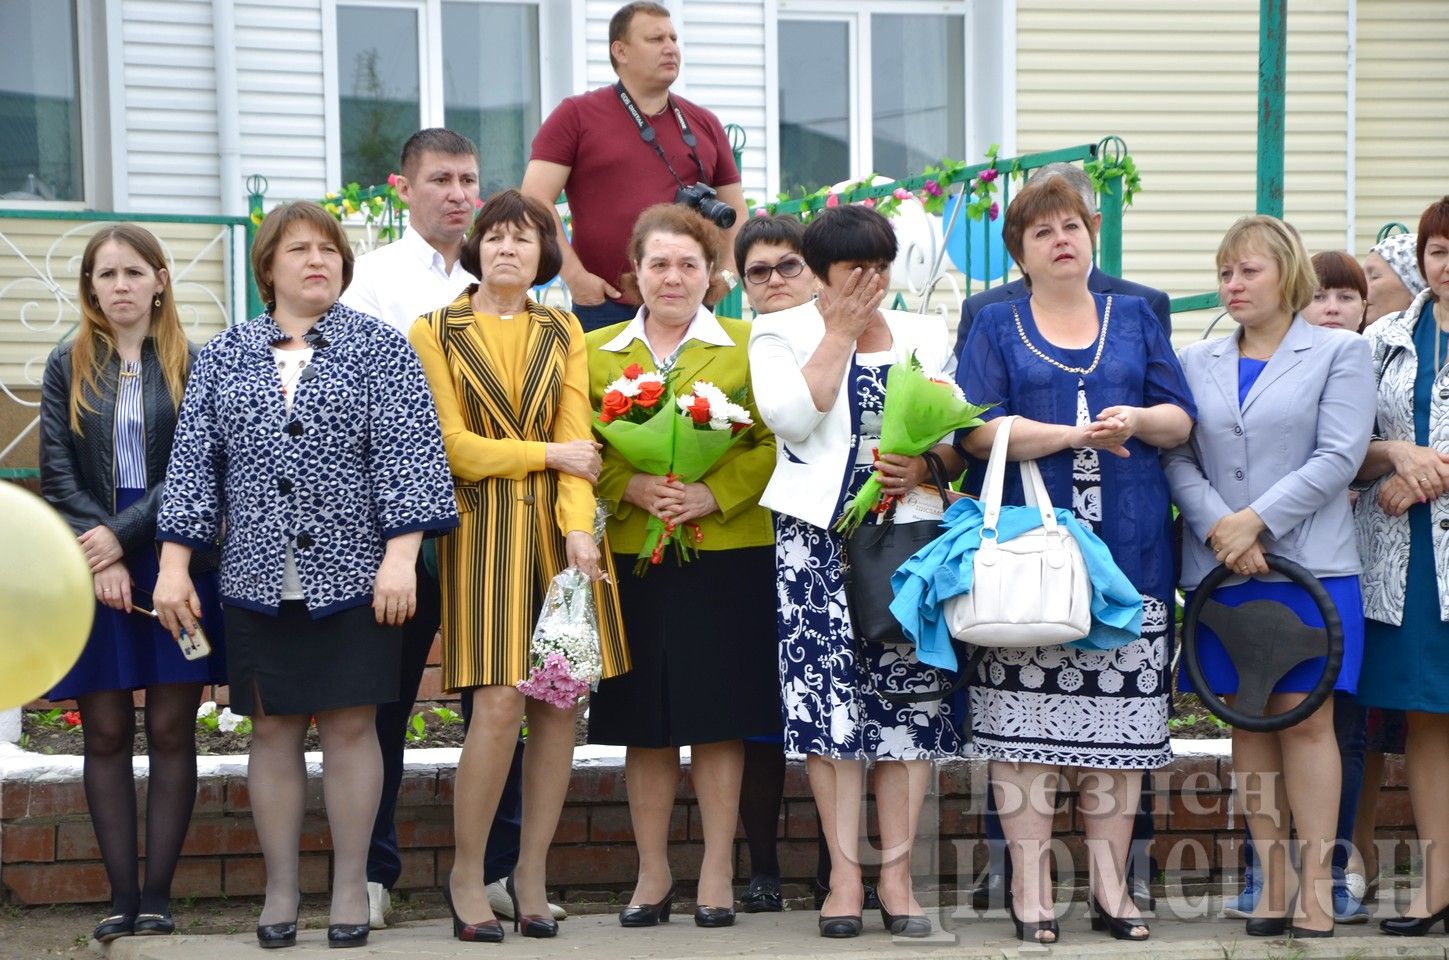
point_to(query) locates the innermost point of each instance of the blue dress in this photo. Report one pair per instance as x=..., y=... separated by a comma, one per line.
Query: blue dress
x=1219, y=671
x=130, y=651
x=1058, y=705
x=829, y=683
x=1406, y=667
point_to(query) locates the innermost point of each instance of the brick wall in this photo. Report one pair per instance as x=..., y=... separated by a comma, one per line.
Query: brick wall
x=48, y=852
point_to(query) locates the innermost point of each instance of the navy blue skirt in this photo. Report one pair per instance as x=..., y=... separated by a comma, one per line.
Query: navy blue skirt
x=130, y=651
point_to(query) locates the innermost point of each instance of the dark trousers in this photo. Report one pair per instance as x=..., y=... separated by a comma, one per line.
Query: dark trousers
x=384, y=862
x=1139, y=859
x=603, y=314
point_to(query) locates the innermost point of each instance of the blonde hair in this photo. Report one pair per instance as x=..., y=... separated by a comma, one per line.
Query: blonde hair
x=1277, y=240
x=95, y=341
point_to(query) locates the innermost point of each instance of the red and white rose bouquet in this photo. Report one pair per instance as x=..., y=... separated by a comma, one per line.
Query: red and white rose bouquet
x=681, y=441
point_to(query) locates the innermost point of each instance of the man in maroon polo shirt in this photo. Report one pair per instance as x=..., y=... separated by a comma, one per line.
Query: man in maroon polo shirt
x=593, y=148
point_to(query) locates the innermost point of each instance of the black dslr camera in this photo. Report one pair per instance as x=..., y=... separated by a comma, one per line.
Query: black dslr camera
x=701, y=198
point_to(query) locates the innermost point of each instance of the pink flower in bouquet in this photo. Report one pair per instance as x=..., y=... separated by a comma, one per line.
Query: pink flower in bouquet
x=994, y=211
x=553, y=682
x=932, y=187
x=987, y=175
x=901, y=193
x=832, y=201
x=868, y=203
x=392, y=180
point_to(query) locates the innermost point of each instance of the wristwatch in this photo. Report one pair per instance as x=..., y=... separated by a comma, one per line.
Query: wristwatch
x=730, y=278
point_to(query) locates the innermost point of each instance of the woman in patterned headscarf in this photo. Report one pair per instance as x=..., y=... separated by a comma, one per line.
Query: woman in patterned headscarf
x=1393, y=276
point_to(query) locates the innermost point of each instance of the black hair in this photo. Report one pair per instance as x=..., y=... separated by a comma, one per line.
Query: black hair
x=779, y=229
x=435, y=140
x=847, y=234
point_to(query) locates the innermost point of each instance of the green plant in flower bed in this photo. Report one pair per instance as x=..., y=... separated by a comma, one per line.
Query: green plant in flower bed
x=448, y=718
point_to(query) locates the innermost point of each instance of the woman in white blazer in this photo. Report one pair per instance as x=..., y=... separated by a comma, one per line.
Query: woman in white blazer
x=1282, y=428
x=818, y=373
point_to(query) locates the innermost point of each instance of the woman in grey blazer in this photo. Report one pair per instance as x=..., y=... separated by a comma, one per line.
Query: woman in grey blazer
x=1282, y=428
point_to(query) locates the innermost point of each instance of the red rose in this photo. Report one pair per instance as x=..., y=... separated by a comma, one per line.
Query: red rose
x=615, y=405
x=649, y=393
x=699, y=410
x=71, y=718
x=632, y=371
x=739, y=427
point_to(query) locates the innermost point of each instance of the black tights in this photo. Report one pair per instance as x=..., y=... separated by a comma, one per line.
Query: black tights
x=761, y=790
x=109, y=727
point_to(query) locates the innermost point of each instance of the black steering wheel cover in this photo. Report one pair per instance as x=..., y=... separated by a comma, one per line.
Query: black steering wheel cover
x=1332, y=623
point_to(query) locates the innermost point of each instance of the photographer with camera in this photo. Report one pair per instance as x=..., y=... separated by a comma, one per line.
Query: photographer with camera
x=619, y=149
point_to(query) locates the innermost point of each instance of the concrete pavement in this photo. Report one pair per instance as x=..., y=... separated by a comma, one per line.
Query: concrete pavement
x=793, y=936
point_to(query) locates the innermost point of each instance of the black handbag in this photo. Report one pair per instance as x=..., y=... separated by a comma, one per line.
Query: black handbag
x=873, y=553
x=872, y=556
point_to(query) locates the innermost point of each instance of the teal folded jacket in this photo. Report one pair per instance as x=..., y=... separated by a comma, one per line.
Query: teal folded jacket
x=943, y=569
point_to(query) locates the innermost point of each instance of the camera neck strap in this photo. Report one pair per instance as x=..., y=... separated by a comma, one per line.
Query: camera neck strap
x=647, y=134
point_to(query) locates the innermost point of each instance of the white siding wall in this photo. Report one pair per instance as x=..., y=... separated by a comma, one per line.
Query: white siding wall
x=1178, y=82
x=724, y=66
x=1403, y=116
x=171, y=156
x=280, y=96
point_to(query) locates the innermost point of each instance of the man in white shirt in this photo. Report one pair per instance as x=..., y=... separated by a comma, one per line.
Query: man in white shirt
x=397, y=283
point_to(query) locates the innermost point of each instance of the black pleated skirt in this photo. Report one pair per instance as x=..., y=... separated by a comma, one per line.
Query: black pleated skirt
x=702, y=641
x=299, y=665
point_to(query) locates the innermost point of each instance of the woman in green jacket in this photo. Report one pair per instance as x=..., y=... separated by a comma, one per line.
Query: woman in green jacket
x=696, y=629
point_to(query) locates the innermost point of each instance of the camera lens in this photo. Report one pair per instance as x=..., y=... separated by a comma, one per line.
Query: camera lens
x=720, y=212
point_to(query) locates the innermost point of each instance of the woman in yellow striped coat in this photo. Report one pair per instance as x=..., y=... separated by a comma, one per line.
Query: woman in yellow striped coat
x=511, y=382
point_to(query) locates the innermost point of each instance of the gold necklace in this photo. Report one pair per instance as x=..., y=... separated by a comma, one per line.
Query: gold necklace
x=1080, y=371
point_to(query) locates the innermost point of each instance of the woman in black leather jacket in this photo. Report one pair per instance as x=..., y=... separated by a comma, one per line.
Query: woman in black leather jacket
x=107, y=416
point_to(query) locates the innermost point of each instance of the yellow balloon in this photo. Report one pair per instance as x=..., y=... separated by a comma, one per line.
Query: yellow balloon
x=47, y=602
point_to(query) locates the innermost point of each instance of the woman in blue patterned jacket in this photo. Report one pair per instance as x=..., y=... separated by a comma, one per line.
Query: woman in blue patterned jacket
x=309, y=438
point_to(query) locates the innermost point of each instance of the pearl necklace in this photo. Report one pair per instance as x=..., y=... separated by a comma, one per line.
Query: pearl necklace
x=1080, y=371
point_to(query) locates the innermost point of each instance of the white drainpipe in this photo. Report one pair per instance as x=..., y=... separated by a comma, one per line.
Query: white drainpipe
x=228, y=113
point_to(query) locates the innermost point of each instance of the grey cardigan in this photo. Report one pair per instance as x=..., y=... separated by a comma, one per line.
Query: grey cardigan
x=1290, y=452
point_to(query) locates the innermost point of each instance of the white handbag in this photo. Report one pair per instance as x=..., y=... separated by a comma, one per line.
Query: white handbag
x=1029, y=591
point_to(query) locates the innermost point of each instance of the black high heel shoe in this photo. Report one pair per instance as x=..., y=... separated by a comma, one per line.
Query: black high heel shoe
x=1034, y=927
x=114, y=927
x=648, y=914
x=343, y=935
x=1119, y=927
x=714, y=916
x=905, y=925
x=273, y=936
x=489, y=931
x=533, y=925
x=840, y=928
x=1266, y=926
x=1408, y=926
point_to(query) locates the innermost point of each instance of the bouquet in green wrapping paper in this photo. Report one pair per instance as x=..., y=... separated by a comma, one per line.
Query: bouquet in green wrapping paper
x=680, y=440
x=920, y=409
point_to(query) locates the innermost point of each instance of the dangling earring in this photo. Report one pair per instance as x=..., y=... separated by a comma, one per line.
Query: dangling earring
x=157, y=302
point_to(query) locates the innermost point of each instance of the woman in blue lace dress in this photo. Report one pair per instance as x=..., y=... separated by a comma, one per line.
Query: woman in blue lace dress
x=1097, y=391
x=819, y=373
